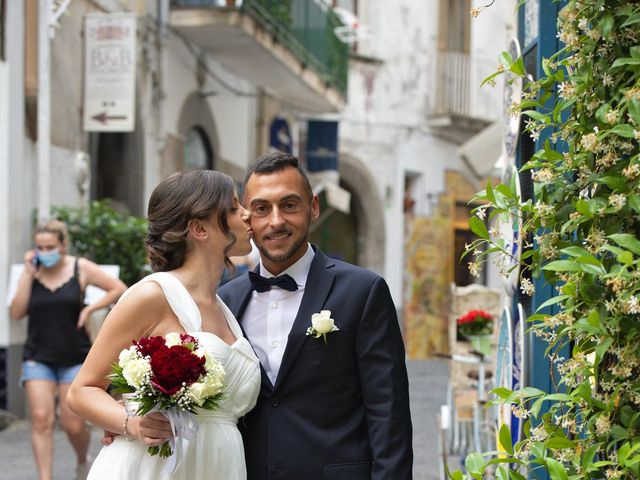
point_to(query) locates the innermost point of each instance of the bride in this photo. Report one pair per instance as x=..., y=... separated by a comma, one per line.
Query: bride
x=195, y=225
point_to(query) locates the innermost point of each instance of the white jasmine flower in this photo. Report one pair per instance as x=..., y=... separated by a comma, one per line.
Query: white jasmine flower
x=633, y=305
x=566, y=90
x=474, y=269
x=617, y=200
x=583, y=24
x=543, y=175
x=611, y=116
x=589, y=141
x=603, y=425
x=526, y=287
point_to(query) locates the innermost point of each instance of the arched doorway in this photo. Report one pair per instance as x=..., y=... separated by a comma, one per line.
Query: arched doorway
x=198, y=134
x=367, y=211
x=197, y=151
x=336, y=233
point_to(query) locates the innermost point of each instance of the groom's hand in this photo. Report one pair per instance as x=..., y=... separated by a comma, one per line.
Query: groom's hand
x=108, y=437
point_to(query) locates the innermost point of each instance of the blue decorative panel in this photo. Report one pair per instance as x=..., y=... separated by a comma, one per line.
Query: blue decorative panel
x=280, y=135
x=322, y=145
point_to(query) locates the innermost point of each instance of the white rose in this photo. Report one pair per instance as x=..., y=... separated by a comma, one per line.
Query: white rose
x=197, y=392
x=209, y=387
x=172, y=339
x=127, y=355
x=323, y=323
x=135, y=371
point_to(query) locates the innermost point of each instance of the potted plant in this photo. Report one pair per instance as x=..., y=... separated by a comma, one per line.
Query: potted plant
x=477, y=327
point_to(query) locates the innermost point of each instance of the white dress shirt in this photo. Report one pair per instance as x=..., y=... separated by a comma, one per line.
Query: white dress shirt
x=270, y=315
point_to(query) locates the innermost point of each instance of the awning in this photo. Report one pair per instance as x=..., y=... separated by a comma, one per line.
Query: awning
x=482, y=151
x=326, y=182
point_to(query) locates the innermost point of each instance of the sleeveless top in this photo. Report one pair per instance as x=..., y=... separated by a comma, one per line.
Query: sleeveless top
x=53, y=315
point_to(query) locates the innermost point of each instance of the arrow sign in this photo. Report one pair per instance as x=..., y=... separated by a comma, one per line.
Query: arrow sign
x=110, y=72
x=104, y=118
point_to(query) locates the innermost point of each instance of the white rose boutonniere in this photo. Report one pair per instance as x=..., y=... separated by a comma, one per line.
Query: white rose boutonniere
x=321, y=324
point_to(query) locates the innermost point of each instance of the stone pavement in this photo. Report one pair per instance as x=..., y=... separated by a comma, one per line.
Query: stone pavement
x=427, y=380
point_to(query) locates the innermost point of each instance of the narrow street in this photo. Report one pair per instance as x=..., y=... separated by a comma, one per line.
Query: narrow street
x=427, y=380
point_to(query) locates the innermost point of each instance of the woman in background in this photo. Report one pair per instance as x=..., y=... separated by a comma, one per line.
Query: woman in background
x=51, y=291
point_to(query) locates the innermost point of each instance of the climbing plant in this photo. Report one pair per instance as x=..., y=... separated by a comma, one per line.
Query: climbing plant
x=581, y=232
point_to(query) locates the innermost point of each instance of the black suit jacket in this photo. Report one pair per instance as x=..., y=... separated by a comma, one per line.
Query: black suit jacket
x=337, y=411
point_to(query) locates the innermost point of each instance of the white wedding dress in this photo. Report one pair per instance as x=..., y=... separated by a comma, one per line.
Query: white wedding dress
x=217, y=452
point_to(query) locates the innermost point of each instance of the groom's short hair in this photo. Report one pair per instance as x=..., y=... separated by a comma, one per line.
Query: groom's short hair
x=275, y=162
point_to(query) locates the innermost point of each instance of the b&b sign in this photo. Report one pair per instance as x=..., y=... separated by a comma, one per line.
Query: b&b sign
x=110, y=72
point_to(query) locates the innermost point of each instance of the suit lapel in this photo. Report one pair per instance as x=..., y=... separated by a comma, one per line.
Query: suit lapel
x=316, y=291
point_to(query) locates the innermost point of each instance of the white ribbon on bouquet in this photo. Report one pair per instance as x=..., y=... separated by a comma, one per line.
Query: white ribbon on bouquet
x=184, y=427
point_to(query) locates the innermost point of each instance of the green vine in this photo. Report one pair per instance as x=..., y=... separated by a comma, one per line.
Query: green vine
x=582, y=227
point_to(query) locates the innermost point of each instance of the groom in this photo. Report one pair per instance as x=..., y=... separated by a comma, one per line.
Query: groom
x=329, y=408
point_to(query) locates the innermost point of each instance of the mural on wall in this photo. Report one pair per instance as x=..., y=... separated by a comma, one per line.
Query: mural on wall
x=430, y=269
x=428, y=273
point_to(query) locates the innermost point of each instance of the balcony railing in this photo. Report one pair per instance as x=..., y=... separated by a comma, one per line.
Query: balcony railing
x=457, y=79
x=305, y=27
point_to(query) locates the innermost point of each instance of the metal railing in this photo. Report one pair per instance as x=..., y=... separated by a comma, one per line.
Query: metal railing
x=305, y=27
x=457, y=78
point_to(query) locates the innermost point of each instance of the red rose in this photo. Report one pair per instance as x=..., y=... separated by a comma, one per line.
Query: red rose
x=173, y=366
x=148, y=346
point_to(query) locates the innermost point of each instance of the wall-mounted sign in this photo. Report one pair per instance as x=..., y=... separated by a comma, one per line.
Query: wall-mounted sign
x=110, y=72
x=322, y=145
x=512, y=94
x=280, y=135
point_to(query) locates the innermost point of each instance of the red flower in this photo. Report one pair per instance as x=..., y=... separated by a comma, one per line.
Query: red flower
x=173, y=366
x=148, y=346
x=188, y=341
x=475, y=322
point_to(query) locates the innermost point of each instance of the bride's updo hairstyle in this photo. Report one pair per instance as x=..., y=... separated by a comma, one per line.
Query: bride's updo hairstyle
x=178, y=199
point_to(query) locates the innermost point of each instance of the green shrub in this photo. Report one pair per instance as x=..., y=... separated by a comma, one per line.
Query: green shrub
x=107, y=236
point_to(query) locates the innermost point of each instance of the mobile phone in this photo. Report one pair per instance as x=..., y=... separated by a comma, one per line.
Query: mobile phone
x=35, y=261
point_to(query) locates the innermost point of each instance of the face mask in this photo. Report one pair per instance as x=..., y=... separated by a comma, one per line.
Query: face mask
x=49, y=259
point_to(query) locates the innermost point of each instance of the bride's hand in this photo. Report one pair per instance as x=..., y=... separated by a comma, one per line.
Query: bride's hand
x=153, y=429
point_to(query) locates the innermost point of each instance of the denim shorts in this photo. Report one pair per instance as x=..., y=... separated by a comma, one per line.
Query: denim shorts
x=32, y=370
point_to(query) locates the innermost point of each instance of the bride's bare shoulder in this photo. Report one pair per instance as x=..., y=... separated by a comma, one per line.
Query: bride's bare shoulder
x=144, y=295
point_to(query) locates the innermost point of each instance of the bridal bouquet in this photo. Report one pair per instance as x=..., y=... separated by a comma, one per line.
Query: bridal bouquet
x=171, y=374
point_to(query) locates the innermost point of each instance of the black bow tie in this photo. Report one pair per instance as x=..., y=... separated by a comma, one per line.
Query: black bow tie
x=262, y=284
